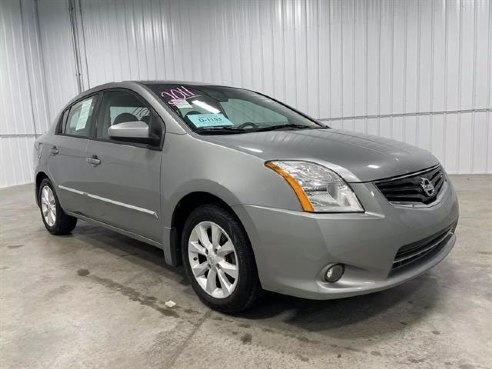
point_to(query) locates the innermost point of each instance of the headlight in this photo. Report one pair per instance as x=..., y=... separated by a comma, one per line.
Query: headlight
x=318, y=188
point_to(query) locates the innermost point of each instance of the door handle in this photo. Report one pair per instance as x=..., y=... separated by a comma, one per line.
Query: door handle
x=54, y=150
x=94, y=160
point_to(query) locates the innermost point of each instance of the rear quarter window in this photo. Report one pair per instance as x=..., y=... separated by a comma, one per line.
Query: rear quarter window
x=79, y=118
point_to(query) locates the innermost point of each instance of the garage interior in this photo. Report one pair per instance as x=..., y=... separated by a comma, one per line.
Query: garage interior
x=415, y=71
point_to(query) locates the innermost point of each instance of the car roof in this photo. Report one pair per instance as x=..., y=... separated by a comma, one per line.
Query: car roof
x=135, y=85
x=172, y=82
x=139, y=83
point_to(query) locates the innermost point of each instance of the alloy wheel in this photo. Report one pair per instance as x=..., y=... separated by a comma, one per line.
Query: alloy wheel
x=213, y=259
x=48, y=206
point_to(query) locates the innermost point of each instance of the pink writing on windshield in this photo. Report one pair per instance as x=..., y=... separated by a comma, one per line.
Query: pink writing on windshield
x=177, y=95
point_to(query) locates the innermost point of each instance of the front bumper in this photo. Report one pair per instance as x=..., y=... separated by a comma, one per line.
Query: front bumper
x=293, y=249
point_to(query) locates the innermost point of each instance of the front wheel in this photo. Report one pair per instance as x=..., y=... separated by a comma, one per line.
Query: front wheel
x=219, y=261
x=54, y=218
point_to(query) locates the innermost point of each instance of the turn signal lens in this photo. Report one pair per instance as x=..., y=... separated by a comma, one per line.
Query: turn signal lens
x=318, y=189
x=301, y=195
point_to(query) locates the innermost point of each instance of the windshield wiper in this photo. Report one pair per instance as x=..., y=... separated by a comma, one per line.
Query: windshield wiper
x=284, y=126
x=219, y=130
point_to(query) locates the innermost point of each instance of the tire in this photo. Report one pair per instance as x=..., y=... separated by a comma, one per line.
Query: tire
x=246, y=287
x=57, y=223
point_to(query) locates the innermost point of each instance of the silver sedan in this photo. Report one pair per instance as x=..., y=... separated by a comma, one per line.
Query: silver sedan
x=248, y=193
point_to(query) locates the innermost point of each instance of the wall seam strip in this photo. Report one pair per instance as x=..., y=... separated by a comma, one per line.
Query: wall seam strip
x=7, y=135
x=445, y=130
x=419, y=60
x=415, y=114
x=29, y=82
x=474, y=86
x=489, y=73
x=460, y=64
x=83, y=42
x=75, y=44
x=42, y=57
x=431, y=94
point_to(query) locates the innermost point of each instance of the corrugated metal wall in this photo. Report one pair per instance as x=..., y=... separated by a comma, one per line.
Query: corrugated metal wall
x=22, y=98
x=36, y=78
x=417, y=71
x=55, y=35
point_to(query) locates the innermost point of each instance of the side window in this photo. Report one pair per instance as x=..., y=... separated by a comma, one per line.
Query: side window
x=119, y=107
x=241, y=111
x=79, y=118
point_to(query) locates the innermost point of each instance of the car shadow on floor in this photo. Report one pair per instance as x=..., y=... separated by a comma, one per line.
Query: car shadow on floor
x=361, y=316
x=134, y=251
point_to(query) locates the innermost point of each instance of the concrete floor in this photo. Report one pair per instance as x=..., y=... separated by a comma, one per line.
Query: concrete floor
x=96, y=299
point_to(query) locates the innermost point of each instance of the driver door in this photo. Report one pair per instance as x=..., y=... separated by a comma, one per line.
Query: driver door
x=125, y=176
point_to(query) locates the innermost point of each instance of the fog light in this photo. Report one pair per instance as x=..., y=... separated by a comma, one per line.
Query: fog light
x=334, y=272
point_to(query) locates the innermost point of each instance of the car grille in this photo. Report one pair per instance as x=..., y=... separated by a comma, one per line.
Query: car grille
x=411, y=188
x=422, y=250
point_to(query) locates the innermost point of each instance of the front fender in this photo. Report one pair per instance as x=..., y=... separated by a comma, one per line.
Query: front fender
x=191, y=165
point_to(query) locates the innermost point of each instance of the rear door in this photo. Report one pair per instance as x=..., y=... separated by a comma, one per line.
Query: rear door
x=124, y=176
x=67, y=163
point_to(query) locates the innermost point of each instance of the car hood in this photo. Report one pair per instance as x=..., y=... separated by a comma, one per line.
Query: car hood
x=356, y=157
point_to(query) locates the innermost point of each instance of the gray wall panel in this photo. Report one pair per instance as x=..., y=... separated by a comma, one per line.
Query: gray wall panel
x=58, y=54
x=333, y=59
x=22, y=107
x=416, y=71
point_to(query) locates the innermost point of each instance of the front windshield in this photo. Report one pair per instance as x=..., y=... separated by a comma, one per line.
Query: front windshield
x=225, y=110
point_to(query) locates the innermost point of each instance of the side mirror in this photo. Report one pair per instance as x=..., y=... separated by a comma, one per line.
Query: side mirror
x=136, y=131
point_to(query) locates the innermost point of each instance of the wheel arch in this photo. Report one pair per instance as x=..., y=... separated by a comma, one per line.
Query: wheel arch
x=183, y=209
x=39, y=178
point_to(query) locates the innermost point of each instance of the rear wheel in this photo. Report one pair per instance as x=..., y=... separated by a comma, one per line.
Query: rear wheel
x=218, y=260
x=54, y=218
